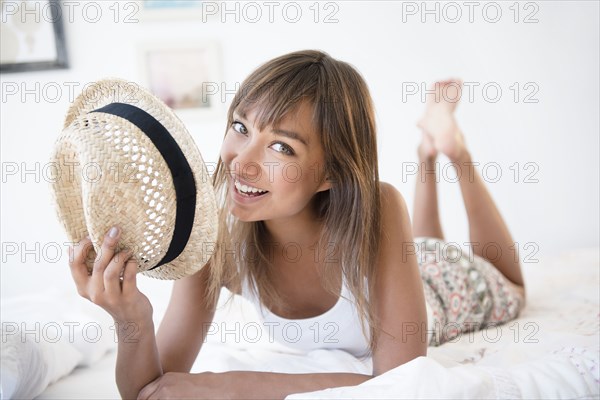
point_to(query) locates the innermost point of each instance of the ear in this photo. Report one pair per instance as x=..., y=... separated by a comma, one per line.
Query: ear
x=325, y=185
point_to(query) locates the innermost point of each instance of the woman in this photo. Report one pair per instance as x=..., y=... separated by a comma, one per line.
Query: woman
x=309, y=234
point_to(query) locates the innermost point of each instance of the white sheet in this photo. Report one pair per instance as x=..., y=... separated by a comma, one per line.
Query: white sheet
x=551, y=351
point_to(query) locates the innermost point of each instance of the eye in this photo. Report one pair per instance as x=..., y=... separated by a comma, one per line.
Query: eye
x=283, y=148
x=239, y=127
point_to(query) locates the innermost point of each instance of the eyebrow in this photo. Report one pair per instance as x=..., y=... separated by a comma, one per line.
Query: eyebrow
x=282, y=132
x=291, y=135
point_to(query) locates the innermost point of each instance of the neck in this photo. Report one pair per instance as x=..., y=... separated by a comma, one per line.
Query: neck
x=303, y=229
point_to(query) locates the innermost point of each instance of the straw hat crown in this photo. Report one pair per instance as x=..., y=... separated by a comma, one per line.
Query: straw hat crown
x=127, y=160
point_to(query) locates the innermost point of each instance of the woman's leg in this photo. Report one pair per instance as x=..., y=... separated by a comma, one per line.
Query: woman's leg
x=426, y=219
x=488, y=232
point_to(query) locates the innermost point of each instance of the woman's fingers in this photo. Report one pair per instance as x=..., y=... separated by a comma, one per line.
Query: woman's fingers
x=77, y=256
x=112, y=273
x=148, y=390
x=107, y=252
x=112, y=283
x=129, y=276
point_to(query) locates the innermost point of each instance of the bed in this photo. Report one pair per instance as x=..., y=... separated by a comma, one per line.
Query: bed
x=551, y=351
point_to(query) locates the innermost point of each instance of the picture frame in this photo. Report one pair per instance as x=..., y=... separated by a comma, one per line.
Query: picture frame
x=175, y=10
x=185, y=74
x=32, y=41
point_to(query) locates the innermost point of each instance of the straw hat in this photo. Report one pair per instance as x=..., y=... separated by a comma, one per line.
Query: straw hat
x=126, y=159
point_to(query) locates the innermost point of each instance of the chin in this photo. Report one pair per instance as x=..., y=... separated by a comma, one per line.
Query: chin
x=243, y=216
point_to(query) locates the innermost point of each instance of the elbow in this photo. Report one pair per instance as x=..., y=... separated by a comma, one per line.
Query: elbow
x=380, y=369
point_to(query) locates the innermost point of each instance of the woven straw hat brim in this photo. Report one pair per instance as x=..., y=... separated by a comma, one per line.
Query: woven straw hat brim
x=120, y=178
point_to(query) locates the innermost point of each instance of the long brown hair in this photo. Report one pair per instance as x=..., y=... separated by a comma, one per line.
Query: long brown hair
x=349, y=210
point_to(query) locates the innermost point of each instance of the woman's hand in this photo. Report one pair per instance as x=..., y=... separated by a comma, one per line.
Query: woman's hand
x=180, y=385
x=112, y=282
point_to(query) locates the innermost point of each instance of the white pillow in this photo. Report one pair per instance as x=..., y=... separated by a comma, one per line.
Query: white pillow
x=66, y=316
x=28, y=366
x=45, y=336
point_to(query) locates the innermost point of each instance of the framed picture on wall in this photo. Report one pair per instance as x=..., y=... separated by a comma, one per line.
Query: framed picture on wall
x=186, y=75
x=31, y=36
x=170, y=10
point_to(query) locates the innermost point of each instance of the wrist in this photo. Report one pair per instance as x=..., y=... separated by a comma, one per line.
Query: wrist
x=133, y=331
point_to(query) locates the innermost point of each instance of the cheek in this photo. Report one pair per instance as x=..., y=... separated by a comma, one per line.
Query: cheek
x=227, y=149
x=291, y=175
x=296, y=179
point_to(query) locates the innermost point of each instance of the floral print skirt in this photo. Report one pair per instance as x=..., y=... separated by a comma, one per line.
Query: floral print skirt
x=464, y=291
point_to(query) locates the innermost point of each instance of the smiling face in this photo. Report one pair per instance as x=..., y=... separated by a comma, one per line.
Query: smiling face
x=273, y=173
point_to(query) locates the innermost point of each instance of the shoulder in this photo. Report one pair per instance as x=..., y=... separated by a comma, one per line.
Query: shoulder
x=392, y=201
x=387, y=188
x=395, y=235
x=395, y=220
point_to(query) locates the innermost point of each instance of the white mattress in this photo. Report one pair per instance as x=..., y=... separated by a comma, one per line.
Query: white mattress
x=551, y=351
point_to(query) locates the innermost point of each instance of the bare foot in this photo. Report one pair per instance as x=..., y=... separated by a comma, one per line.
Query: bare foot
x=438, y=121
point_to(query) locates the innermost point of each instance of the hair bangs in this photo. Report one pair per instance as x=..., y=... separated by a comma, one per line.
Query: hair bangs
x=275, y=98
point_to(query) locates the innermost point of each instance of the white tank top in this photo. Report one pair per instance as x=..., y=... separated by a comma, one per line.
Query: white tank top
x=337, y=328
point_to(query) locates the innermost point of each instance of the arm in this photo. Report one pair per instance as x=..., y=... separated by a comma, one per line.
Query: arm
x=399, y=298
x=137, y=359
x=180, y=336
x=270, y=385
x=178, y=340
x=183, y=328
x=244, y=384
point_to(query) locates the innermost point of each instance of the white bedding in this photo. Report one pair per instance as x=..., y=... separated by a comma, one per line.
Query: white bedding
x=551, y=351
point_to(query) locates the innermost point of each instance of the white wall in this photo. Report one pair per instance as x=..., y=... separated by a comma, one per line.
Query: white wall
x=559, y=134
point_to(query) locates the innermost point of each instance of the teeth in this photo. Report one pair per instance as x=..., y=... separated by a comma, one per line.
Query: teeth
x=247, y=189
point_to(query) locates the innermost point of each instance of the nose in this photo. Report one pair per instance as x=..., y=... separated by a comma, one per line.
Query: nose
x=247, y=162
